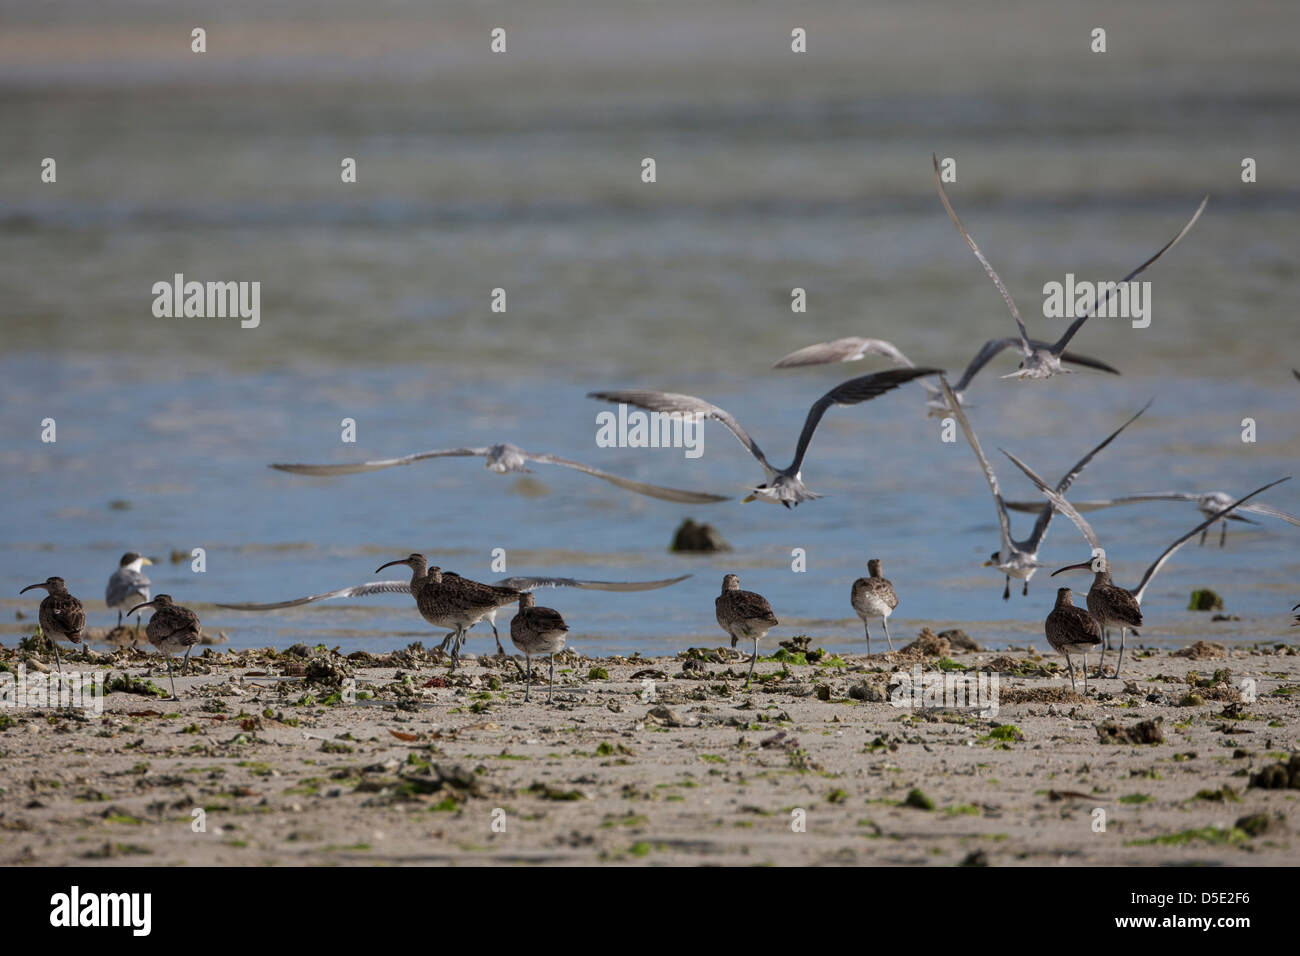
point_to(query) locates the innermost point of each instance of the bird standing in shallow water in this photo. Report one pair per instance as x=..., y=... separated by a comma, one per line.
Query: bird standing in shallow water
x=172, y=628
x=744, y=614
x=61, y=615
x=536, y=631
x=1071, y=629
x=128, y=585
x=874, y=597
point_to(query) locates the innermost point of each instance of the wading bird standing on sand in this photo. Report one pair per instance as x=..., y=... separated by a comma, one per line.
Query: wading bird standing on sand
x=172, y=628
x=744, y=614
x=537, y=631
x=1110, y=604
x=874, y=597
x=782, y=485
x=128, y=585
x=1072, y=630
x=1019, y=559
x=61, y=615
x=450, y=601
x=517, y=583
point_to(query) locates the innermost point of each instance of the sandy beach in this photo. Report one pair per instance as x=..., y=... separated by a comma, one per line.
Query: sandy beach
x=307, y=757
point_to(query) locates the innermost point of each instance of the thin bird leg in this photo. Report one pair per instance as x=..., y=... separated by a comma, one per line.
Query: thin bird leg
x=1071, y=666
x=1100, y=664
x=455, y=646
x=1024, y=592
x=1122, y=632
x=867, y=627
x=884, y=622
x=1006, y=591
x=1223, y=533
x=500, y=650
x=752, y=661
x=119, y=617
x=171, y=676
x=446, y=640
x=57, y=661
x=1085, y=673
x=1203, y=534
x=550, y=694
x=185, y=667
x=528, y=687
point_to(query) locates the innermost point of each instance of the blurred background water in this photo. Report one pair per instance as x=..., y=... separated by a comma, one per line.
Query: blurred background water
x=522, y=171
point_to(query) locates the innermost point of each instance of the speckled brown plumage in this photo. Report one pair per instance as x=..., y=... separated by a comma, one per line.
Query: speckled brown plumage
x=537, y=631
x=1071, y=629
x=446, y=599
x=874, y=597
x=172, y=628
x=1112, y=606
x=61, y=615
x=743, y=614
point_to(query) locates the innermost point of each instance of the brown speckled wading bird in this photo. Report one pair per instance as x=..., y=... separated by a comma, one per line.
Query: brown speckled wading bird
x=537, y=631
x=744, y=614
x=448, y=600
x=61, y=615
x=172, y=628
x=1072, y=630
x=874, y=597
x=1112, y=603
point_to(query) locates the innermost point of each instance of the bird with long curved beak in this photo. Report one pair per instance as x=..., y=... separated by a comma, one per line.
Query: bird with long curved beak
x=171, y=628
x=451, y=601
x=61, y=615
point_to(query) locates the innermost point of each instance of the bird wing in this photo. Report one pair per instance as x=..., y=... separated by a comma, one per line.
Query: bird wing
x=1064, y=340
x=361, y=466
x=1169, y=551
x=1015, y=313
x=360, y=590
x=1260, y=508
x=844, y=350
x=652, y=491
x=993, y=346
x=1057, y=501
x=524, y=583
x=1099, y=503
x=853, y=392
x=955, y=407
x=1045, y=517
x=655, y=401
x=69, y=616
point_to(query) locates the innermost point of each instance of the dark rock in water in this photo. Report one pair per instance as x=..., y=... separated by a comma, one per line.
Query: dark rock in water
x=960, y=640
x=1205, y=600
x=692, y=536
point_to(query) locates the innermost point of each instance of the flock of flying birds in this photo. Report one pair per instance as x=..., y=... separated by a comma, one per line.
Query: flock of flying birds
x=449, y=601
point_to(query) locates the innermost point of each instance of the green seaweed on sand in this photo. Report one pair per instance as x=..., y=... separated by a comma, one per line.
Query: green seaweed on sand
x=917, y=799
x=1209, y=834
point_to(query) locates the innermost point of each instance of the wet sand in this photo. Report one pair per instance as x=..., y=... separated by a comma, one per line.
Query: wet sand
x=432, y=767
